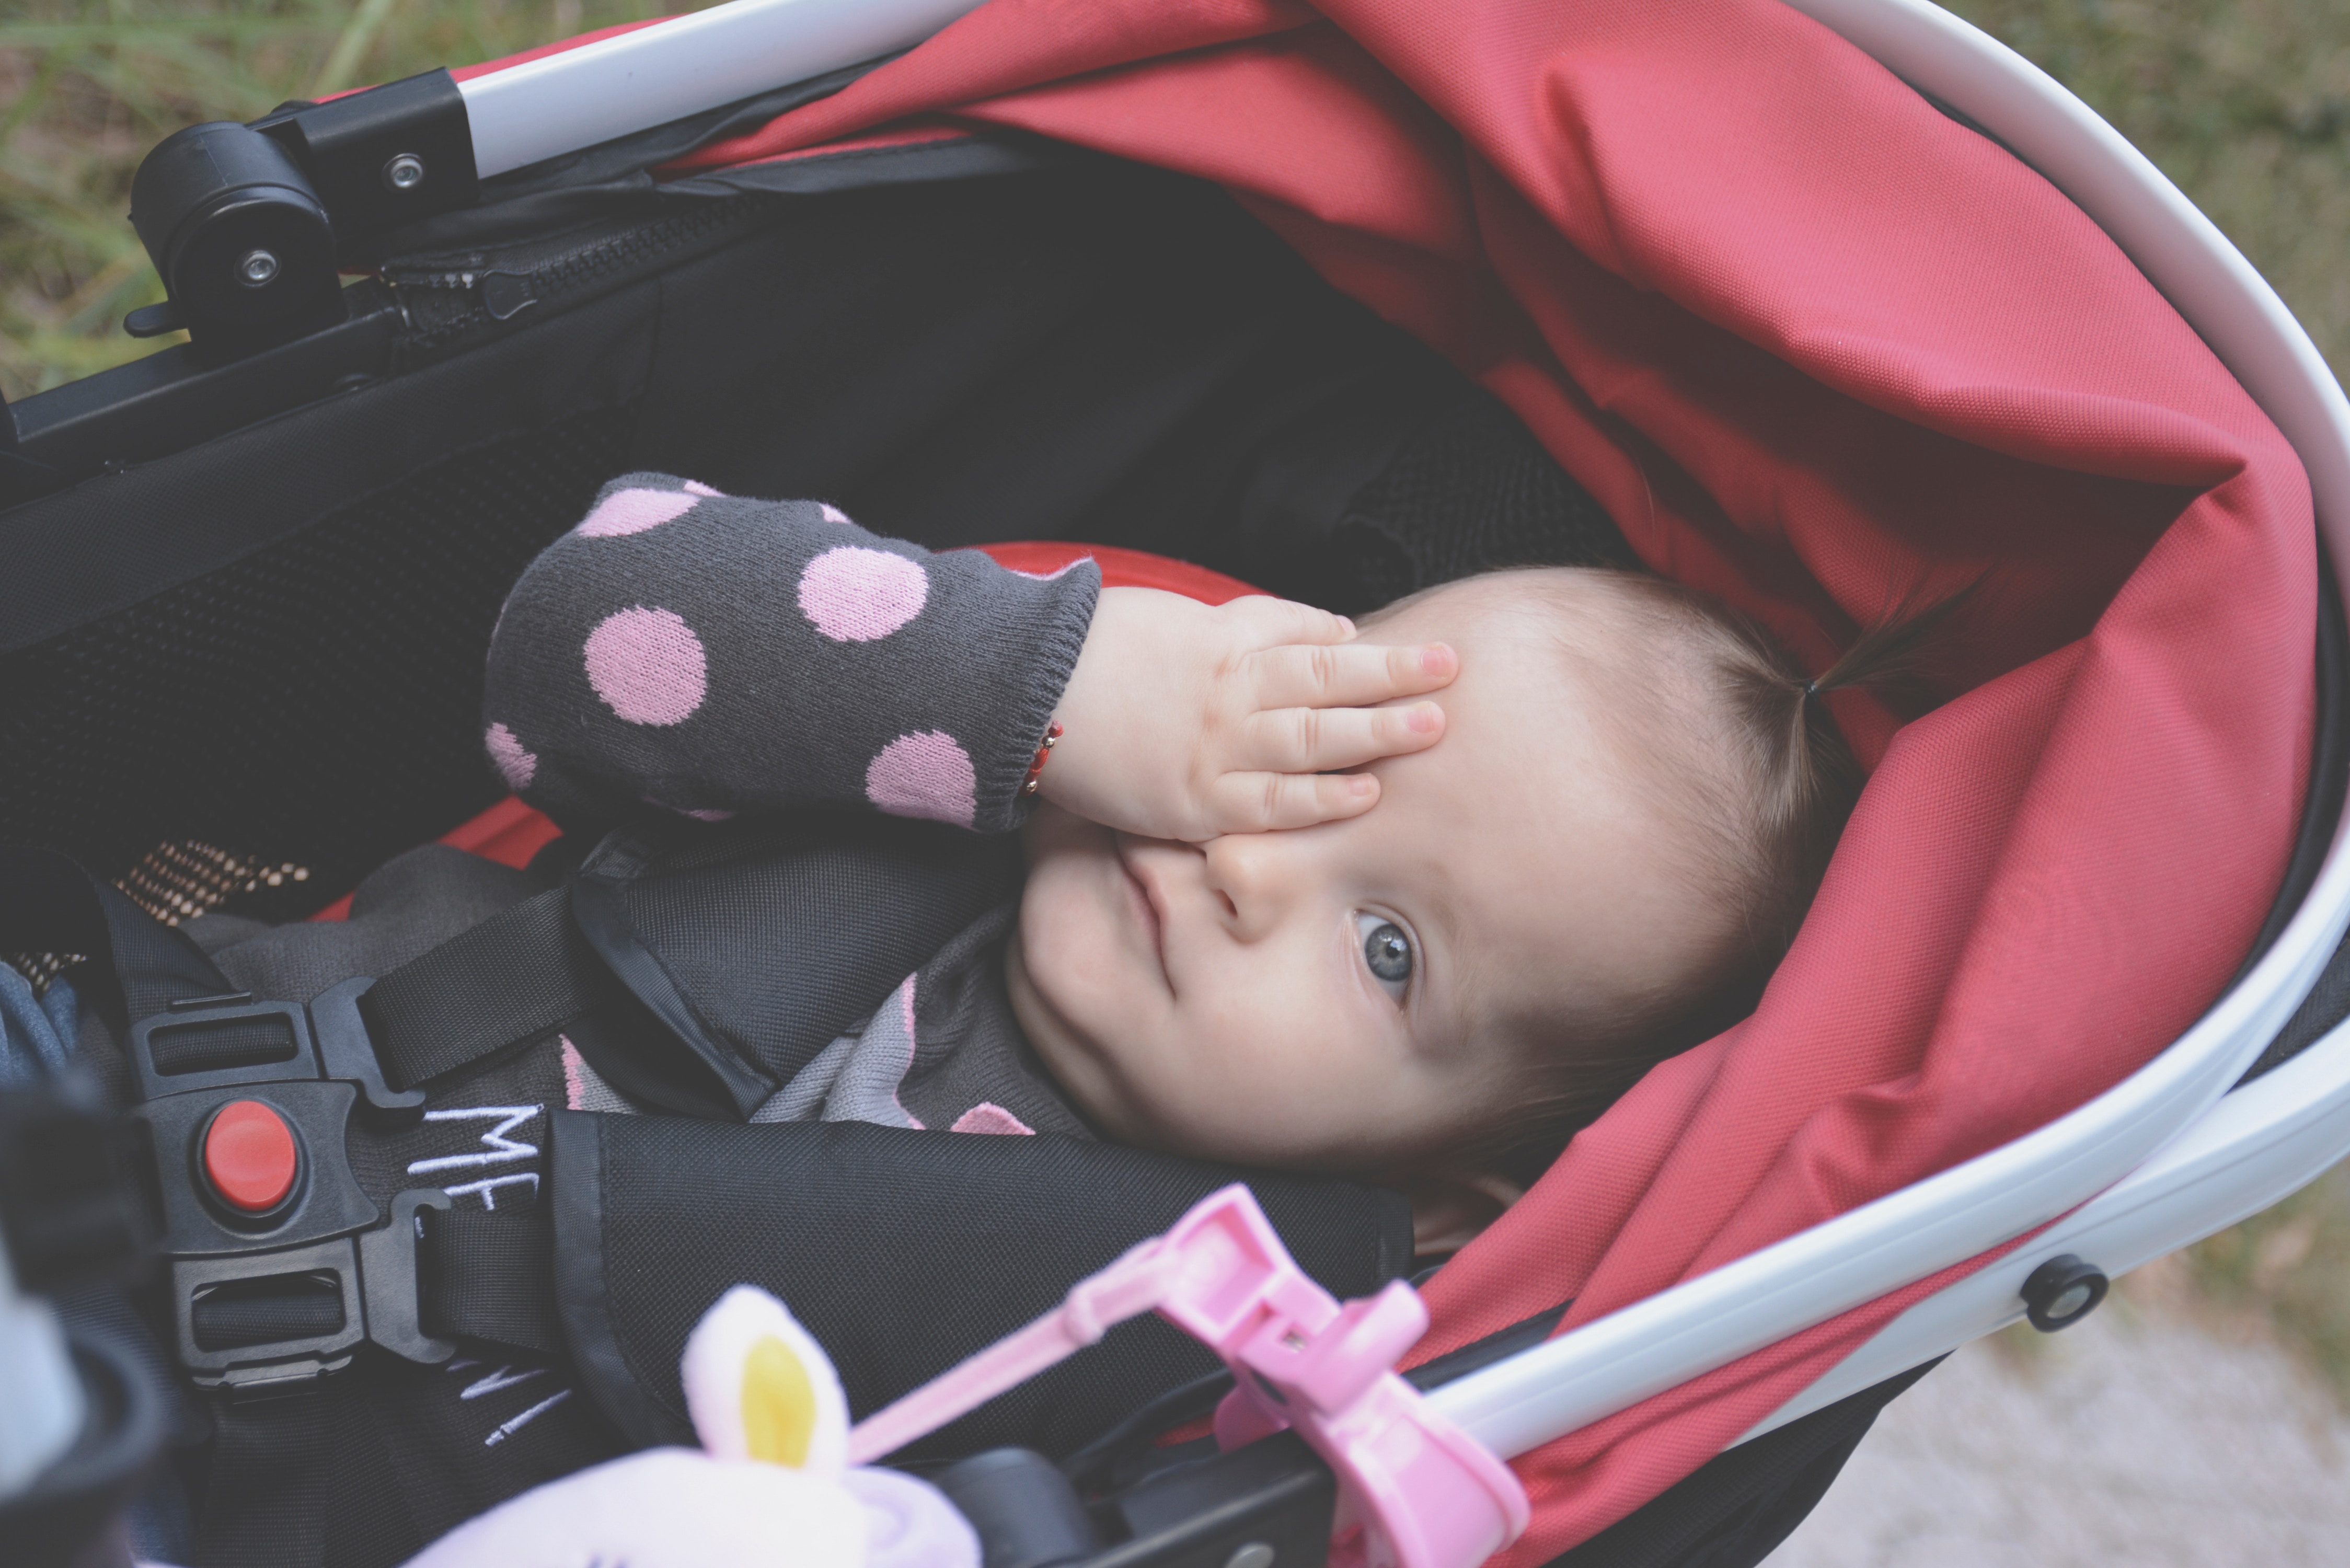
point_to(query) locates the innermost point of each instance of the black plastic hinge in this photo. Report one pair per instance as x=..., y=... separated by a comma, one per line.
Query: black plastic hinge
x=388, y=155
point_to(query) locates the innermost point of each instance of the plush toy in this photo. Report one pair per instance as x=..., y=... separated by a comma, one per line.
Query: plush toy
x=772, y=1486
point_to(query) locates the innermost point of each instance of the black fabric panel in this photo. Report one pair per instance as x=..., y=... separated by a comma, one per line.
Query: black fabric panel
x=365, y=1469
x=1735, y=1510
x=784, y=934
x=1095, y=353
x=1471, y=491
x=902, y=1253
x=317, y=701
x=1087, y=350
x=117, y=540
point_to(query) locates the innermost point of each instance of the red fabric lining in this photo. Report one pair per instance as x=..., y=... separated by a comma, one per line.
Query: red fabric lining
x=1814, y=346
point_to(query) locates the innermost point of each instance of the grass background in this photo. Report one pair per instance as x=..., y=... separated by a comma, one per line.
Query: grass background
x=2245, y=103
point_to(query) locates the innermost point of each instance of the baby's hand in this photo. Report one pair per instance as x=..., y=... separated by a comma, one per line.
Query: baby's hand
x=1187, y=721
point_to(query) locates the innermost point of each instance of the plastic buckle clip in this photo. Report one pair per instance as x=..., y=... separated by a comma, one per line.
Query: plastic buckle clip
x=281, y=1265
x=1415, y=1491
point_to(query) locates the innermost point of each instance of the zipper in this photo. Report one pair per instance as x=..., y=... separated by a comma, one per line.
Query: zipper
x=447, y=302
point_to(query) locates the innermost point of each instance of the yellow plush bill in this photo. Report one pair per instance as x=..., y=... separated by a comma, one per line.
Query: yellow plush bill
x=760, y=1389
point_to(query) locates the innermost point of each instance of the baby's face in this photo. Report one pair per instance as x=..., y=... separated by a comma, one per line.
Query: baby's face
x=1345, y=995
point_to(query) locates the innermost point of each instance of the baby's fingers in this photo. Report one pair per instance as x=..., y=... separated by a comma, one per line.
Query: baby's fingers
x=1318, y=740
x=1350, y=674
x=1262, y=802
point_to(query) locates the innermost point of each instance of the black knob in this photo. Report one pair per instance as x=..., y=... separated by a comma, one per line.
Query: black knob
x=2062, y=1291
x=247, y=252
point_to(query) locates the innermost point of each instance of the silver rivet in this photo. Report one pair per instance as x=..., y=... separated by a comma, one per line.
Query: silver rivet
x=404, y=172
x=257, y=268
x=2070, y=1303
x=1255, y=1554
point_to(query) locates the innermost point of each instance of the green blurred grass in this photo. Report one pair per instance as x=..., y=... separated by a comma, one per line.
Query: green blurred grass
x=2245, y=103
x=87, y=88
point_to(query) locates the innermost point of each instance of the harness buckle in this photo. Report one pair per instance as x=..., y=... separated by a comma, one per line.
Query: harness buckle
x=281, y=1265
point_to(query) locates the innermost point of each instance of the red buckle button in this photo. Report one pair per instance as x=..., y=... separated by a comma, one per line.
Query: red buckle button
x=249, y=1156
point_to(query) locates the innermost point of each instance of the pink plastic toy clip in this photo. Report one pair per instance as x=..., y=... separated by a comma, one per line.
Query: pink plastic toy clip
x=1414, y=1490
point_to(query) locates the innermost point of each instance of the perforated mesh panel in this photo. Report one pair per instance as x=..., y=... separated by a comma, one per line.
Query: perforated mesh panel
x=313, y=705
x=1473, y=490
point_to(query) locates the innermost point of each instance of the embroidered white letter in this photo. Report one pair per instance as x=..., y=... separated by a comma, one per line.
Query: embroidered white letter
x=497, y=1149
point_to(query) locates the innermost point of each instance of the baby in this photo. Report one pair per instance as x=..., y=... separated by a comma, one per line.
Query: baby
x=1383, y=899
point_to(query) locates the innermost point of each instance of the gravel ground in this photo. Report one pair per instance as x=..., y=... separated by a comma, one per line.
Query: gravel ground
x=2152, y=1436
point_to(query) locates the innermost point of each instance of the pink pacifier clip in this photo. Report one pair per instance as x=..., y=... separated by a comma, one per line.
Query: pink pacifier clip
x=1415, y=1491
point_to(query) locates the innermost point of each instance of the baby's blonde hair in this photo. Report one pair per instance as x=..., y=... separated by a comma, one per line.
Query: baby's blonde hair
x=1738, y=742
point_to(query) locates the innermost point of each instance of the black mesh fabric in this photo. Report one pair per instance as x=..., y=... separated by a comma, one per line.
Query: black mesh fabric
x=1470, y=491
x=314, y=702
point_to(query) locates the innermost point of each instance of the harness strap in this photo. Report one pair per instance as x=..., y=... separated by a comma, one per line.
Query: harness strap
x=515, y=978
x=565, y=960
x=490, y=1274
x=55, y=906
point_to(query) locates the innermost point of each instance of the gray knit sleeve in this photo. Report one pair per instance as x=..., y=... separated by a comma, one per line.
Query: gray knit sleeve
x=712, y=656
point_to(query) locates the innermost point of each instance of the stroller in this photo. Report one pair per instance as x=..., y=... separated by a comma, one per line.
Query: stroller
x=1800, y=303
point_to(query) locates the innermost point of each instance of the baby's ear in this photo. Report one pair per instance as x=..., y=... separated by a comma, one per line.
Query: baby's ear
x=760, y=1387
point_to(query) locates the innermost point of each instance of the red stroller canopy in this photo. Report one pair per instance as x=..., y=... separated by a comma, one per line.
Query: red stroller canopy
x=1817, y=348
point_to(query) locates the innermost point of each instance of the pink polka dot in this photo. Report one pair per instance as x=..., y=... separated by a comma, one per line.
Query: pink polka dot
x=634, y=511
x=987, y=1117
x=517, y=764
x=832, y=513
x=855, y=594
x=924, y=775
x=647, y=665
x=695, y=487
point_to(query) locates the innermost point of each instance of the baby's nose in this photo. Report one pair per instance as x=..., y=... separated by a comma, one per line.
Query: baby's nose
x=1255, y=875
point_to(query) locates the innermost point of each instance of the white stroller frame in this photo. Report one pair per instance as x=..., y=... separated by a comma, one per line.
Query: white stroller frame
x=2167, y=1156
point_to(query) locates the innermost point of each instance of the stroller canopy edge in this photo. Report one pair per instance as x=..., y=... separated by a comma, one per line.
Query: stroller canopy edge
x=2011, y=1191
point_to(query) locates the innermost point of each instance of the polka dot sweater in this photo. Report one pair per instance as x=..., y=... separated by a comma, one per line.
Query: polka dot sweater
x=712, y=656
x=716, y=657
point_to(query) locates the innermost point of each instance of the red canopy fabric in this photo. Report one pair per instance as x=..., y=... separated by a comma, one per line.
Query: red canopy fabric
x=1815, y=345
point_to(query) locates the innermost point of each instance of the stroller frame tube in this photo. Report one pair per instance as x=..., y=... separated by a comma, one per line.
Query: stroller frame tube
x=2258, y=1145
x=616, y=87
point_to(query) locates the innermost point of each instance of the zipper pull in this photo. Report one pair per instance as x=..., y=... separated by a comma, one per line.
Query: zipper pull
x=506, y=294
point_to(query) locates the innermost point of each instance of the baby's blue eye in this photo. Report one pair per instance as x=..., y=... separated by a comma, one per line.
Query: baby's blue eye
x=1387, y=953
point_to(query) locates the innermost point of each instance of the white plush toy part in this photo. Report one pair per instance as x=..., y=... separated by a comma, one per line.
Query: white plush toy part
x=772, y=1487
x=758, y=1387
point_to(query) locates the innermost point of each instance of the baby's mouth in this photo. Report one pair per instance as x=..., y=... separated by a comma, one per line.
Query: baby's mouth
x=1146, y=911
